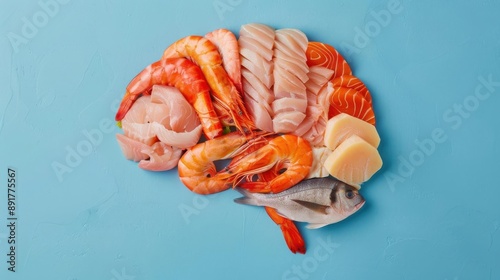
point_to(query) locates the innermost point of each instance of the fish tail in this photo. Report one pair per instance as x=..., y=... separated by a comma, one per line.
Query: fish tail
x=248, y=198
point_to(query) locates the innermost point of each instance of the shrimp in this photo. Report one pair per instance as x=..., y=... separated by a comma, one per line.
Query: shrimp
x=226, y=43
x=275, y=167
x=227, y=99
x=290, y=232
x=197, y=170
x=185, y=76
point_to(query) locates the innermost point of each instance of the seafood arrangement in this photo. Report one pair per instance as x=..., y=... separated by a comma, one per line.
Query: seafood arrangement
x=296, y=127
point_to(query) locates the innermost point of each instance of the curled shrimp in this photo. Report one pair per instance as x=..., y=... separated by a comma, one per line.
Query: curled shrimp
x=196, y=167
x=185, y=76
x=227, y=99
x=228, y=47
x=275, y=167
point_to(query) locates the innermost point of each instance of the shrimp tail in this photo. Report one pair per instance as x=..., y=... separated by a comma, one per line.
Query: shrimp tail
x=291, y=233
x=125, y=105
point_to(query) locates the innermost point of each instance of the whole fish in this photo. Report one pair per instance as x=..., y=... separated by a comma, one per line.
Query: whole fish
x=319, y=202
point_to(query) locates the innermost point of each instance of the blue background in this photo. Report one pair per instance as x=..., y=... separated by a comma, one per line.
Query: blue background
x=431, y=215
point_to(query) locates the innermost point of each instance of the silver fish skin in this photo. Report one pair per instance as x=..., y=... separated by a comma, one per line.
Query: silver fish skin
x=319, y=202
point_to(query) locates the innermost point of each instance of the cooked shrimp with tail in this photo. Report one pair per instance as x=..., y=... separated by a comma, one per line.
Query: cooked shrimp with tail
x=282, y=163
x=227, y=99
x=196, y=167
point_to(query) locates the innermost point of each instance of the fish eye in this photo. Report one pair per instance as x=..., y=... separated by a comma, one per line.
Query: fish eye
x=349, y=194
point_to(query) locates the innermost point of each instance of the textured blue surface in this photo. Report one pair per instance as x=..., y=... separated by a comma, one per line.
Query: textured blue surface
x=431, y=213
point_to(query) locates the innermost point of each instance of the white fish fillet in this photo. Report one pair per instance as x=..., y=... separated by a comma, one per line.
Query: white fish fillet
x=290, y=74
x=256, y=43
x=161, y=157
x=158, y=127
x=313, y=126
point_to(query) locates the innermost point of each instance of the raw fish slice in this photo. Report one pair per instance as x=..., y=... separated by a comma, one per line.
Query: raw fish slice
x=315, y=134
x=157, y=113
x=313, y=126
x=264, y=33
x=354, y=83
x=142, y=132
x=161, y=157
x=254, y=95
x=290, y=74
x=322, y=54
x=256, y=50
x=137, y=112
x=293, y=40
x=349, y=101
x=297, y=36
x=313, y=113
x=318, y=74
x=288, y=121
x=179, y=139
x=182, y=116
x=323, y=98
x=293, y=64
x=253, y=83
x=251, y=46
x=259, y=68
x=289, y=104
x=285, y=86
x=260, y=115
x=132, y=149
x=226, y=43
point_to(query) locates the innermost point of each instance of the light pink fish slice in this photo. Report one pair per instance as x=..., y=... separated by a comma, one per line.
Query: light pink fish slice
x=161, y=157
x=132, y=149
x=182, y=139
x=288, y=121
x=260, y=115
x=181, y=115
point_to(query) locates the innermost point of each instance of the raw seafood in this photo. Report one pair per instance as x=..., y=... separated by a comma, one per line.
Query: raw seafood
x=226, y=43
x=256, y=43
x=227, y=99
x=196, y=167
x=157, y=128
x=342, y=126
x=290, y=75
x=287, y=156
x=182, y=74
x=351, y=96
x=321, y=54
x=354, y=161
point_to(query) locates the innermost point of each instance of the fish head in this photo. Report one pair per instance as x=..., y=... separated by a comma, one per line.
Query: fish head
x=346, y=199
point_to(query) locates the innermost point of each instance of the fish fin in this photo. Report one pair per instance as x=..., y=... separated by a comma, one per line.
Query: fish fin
x=248, y=198
x=315, y=226
x=319, y=208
